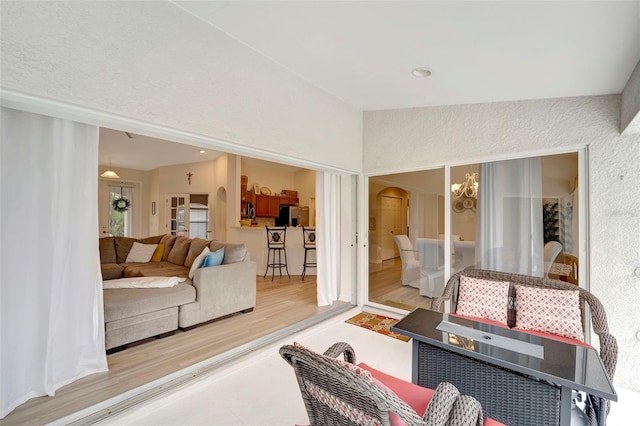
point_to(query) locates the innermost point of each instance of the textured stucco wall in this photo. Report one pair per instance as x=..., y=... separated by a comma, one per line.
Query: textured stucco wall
x=426, y=137
x=154, y=62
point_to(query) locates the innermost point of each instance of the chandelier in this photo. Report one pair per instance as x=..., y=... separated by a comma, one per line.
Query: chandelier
x=466, y=189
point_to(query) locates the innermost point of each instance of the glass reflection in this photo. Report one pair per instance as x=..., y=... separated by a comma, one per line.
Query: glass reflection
x=406, y=256
x=524, y=219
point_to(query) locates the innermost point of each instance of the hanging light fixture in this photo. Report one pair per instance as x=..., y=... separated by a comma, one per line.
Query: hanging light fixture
x=110, y=173
x=468, y=188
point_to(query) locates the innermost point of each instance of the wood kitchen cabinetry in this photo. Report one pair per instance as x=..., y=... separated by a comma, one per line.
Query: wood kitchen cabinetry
x=269, y=205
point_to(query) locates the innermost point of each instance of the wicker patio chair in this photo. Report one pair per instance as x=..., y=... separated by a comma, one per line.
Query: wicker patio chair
x=325, y=384
x=590, y=308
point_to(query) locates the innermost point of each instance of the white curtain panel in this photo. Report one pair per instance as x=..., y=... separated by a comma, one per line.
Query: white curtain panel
x=416, y=216
x=510, y=229
x=328, y=231
x=51, y=315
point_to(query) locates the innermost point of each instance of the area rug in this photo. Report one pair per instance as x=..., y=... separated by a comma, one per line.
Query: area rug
x=378, y=323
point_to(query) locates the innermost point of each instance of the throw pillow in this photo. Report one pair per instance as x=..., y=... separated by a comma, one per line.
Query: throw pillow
x=195, y=248
x=140, y=253
x=550, y=311
x=213, y=258
x=483, y=299
x=198, y=261
x=178, y=253
x=233, y=253
x=168, y=241
x=157, y=255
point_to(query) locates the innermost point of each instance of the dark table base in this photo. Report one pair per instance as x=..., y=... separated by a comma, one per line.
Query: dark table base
x=507, y=396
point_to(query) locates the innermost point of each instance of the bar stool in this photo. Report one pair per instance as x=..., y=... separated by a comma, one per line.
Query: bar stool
x=309, y=244
x=276, y=237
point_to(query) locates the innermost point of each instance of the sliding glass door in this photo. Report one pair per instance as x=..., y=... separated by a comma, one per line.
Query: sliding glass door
x=522, y=218
x=517, y=215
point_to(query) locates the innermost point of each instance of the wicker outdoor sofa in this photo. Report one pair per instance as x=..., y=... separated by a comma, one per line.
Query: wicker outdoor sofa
x=590, y=307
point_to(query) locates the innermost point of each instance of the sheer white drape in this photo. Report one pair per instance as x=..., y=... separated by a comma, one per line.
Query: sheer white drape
x=51, y=315
x=328, y=229
x=510, y=230
x=416, y=216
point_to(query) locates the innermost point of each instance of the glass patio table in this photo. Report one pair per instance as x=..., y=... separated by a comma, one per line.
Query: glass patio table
x=519, y=378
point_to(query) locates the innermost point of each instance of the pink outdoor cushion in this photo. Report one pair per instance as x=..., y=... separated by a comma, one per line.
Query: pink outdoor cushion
x=550, y=311
x=484, y=320
x=483, y=299
x=535, y=333
x=417, y=397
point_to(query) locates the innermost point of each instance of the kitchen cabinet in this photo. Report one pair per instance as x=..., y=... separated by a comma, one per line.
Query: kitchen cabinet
x=269, y=205
x=262, y=205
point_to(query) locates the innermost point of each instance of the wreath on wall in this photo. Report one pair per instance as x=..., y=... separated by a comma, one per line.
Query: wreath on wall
x=121, y=204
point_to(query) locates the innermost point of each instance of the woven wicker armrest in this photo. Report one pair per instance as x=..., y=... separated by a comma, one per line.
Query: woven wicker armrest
x=324, y=374
x=341, y=348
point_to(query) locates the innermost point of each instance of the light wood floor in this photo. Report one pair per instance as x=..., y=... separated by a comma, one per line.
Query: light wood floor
x=385, y=287
x=280, y=303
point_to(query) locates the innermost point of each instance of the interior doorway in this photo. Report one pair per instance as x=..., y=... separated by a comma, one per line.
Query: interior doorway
x=188, y=215
x=119, y=208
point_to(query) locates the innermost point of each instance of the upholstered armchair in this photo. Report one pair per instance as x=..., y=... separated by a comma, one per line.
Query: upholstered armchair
x=410, y=263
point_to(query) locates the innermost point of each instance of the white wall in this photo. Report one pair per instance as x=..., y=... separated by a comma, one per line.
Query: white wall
x=472, y=133
x=154, y=62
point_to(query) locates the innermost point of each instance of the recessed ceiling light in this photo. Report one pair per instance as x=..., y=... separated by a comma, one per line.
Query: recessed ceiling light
x=202, y=151
x=421, y=72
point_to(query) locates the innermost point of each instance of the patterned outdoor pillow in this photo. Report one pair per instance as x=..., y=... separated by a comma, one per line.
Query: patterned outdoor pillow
x=550, y=311
x=483, y=299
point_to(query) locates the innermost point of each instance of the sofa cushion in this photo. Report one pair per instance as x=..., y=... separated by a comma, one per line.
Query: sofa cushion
x=111, y=271
x=127, y=302
x=154, y=269
x=123, y=247
x=195, y=249
x=141, y=253
x=168, y=241
x=179, y=251
x=107, y=249
x=233, y=253
x=151, y=240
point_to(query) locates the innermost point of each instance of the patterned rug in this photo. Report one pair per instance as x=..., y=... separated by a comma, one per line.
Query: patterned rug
x=378, y=323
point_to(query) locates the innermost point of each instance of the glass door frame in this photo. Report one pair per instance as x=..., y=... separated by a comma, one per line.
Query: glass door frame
x=583, y=228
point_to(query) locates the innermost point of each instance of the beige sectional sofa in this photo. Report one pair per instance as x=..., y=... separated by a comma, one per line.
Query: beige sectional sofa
x=133, y=314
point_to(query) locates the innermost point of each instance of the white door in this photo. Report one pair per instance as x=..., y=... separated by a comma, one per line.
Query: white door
x=391, y=217
x=118, y=204
x=188, y=215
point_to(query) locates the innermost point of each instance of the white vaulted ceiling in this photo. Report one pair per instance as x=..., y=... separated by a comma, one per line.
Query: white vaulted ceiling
x=362, y=52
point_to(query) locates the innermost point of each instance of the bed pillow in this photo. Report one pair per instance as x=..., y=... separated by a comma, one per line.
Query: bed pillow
x=198, y=261
x=550, y=311
x=214, y=258
x=483, y=299
x=140, y=253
